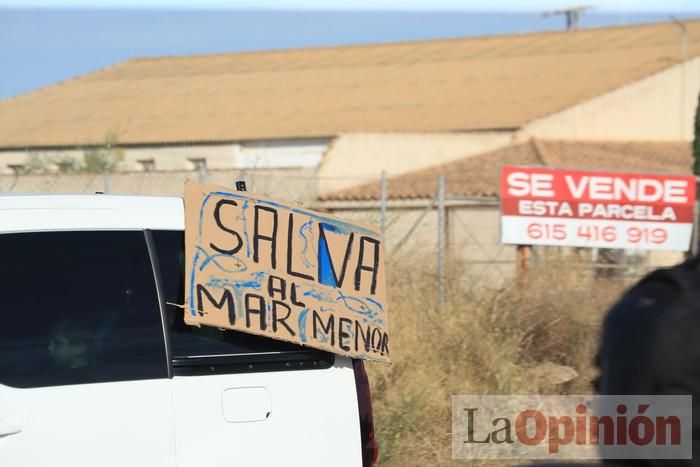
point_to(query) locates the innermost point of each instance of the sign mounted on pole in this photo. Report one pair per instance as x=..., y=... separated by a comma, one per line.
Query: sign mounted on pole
x=270, y=268
x=541, y=206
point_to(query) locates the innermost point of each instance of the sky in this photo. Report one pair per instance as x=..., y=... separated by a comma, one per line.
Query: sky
x=393, y=5
x=40, y=46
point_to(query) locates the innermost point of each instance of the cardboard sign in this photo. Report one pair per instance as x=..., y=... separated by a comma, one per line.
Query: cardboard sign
x=542, y=206
x=265, y=267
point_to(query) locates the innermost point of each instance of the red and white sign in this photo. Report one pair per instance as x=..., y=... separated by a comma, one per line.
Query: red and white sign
x=542, y=206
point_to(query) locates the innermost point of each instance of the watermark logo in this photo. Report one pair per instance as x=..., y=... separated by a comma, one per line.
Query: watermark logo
x=572, y=427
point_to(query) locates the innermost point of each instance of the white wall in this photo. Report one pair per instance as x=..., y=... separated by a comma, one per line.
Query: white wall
x=282, y=154
x=18, y=157
x=165, y=158
x=179, y=157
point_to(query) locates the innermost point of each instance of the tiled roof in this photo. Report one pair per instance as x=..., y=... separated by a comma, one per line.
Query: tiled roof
x=493, y=82
x=479, y=175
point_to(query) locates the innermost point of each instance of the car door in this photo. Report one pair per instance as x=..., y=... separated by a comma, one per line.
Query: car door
x=241, y=399
x=83, y=367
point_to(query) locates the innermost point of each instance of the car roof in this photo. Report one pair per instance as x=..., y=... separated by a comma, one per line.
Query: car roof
x=39, y=212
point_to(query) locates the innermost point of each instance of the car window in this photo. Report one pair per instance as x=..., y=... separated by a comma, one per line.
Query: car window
x=78, y=307
x=189, y=341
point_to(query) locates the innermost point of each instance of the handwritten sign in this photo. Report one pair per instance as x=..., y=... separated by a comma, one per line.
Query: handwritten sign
x=542, y=206
x=273, y=269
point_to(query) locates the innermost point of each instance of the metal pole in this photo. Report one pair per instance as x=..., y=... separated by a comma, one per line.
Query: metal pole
x=382, y=206
x=105, y=182
x=441, y=240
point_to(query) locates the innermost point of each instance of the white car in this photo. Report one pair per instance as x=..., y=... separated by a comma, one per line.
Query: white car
x=97, y=367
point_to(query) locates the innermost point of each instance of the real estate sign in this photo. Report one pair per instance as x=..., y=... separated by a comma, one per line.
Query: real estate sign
x=274, y=269
x=541, y=206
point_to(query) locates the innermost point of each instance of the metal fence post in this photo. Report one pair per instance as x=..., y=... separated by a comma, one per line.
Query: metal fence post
x=105, y=182
x=382, y=205
x=441, y=240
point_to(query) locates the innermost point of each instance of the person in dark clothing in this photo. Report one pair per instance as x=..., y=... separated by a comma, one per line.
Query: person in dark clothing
x=651, y=344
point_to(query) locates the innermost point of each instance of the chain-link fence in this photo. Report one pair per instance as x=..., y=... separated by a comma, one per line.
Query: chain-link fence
x=450, y=239
x=294, y=184
x=455, y=242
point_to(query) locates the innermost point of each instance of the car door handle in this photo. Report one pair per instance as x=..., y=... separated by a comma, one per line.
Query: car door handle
x=7, y=429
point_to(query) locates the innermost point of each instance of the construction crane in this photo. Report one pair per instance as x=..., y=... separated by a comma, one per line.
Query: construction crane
x=573, y=15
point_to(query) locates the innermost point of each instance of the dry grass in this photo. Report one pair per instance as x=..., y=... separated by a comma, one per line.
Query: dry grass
x=480, y=342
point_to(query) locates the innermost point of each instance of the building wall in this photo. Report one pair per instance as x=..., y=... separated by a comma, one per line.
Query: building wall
x=20, y=157
x=280, y=154
x=358, y=158
x=283, y=154
x=179, y=157
x=660, y=107
x=165, y=158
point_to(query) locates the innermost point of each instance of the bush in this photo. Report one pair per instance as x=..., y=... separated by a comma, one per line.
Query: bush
x=534, y=337
x=105, y=157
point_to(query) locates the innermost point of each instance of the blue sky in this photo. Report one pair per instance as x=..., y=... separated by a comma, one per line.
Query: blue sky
x=396, y=5
x=42, y=46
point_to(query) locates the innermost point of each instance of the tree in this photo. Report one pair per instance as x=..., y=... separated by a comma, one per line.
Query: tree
x=36, y=162
x=103, y=158
x=66, y=164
